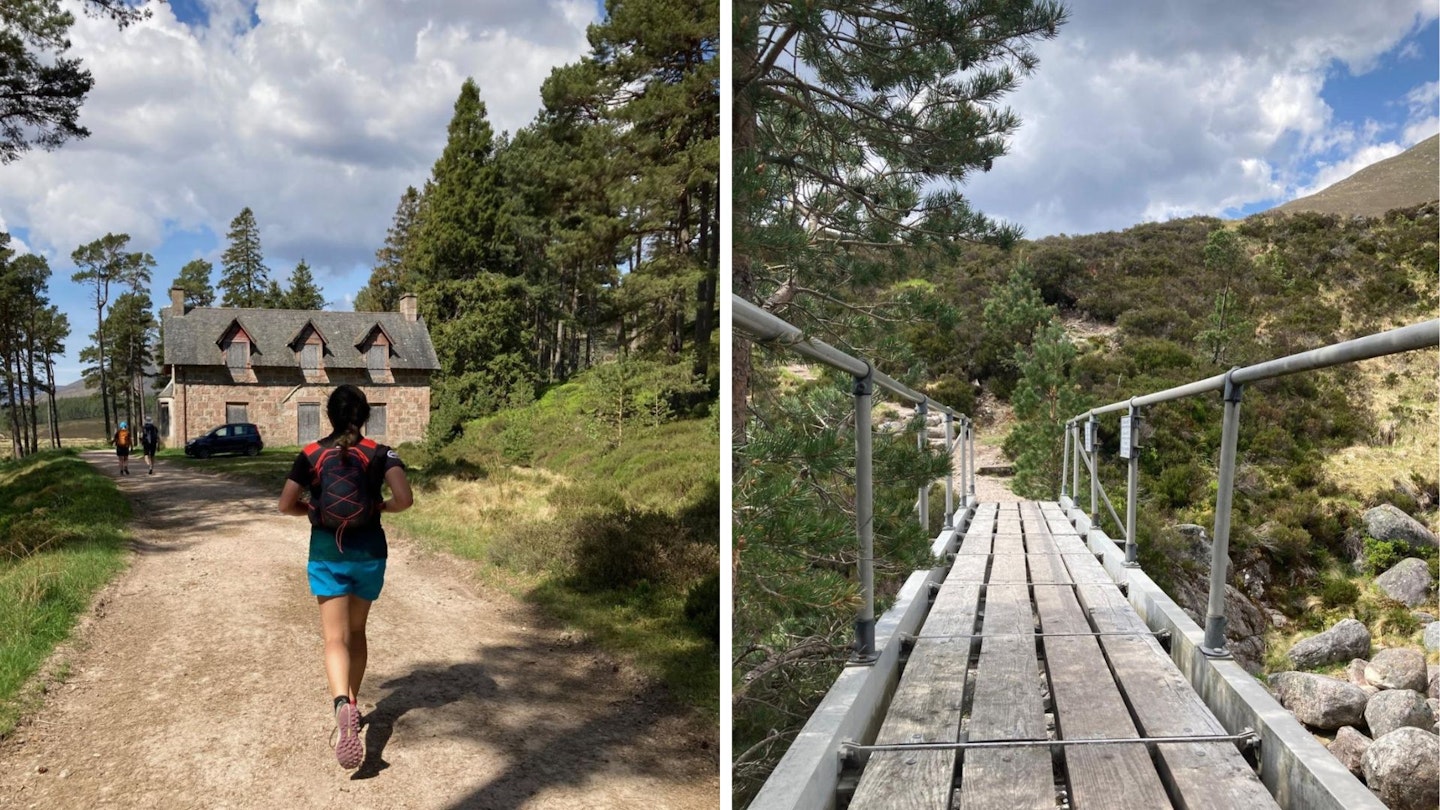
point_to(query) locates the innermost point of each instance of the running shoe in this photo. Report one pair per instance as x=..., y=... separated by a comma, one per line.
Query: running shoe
x=349, y=751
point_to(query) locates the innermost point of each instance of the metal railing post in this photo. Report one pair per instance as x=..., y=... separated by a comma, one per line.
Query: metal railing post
x=1074, y=464
x=949, y=470
x=1214, y=645
x=970, y=443
x=1132, y=489
x=1092, y=432
x=922, y=504
x=864, y=519
x=1065, y=463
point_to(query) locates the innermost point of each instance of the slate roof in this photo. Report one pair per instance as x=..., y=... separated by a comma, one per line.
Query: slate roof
x=193, y=339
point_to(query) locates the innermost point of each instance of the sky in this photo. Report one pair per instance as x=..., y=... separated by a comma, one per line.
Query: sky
x=316, y=114
x=1149, y=110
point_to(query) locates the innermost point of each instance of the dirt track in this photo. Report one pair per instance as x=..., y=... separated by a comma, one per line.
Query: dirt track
x=196, y=681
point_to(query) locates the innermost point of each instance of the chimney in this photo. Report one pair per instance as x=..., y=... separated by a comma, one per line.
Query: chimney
x=409, y=307
x=177, y=300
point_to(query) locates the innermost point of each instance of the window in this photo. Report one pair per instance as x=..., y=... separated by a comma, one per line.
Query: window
x=310, y=357
x=378, y=357
x=235, y=412
x=237, y=355
x=376, y=425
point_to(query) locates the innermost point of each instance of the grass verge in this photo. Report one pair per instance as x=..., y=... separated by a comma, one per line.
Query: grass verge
x=267, y=469
x=62, y=536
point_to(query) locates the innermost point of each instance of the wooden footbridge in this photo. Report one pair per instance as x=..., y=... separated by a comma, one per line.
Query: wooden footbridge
x=1039, y=667
x=1043, y=680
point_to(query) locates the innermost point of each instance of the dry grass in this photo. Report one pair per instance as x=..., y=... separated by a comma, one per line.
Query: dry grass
x=468, y=517
x=1401, y=393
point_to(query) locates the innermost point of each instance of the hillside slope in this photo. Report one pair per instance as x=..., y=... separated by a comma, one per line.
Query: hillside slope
x=1409, y=178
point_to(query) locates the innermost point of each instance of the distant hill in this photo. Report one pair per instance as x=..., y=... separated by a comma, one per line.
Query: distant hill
x=1409, y=178
x=78, y=389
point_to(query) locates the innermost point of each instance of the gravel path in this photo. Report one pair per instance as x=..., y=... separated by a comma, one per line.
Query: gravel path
x=196, y=681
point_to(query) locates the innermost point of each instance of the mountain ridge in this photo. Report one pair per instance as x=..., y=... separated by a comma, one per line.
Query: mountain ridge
x=1407, y=179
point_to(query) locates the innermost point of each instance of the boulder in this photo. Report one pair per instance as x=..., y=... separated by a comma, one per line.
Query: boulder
x=1423, y=617
x=1407, y=582
x=1245, y=622
x=1434, y=705
x=1403, y=769
x=1434, y=689
x=1347, y=639
x=1356, y=672
x=1386, y=522
x=1319, y=701
x=1432, y=636
x=1397, y=708
x=1349, y=747
x=1398, y=668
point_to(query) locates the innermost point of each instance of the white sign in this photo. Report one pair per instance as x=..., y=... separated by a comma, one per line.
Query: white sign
x=1089, y=437
x=1125, y=444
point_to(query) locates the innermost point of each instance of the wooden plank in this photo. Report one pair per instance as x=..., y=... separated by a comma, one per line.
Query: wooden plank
x=1198, y=775
x=1008, y=704
x=1088, y=704
x=928, y=701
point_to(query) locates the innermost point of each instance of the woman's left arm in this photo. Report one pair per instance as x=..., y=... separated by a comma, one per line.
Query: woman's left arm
x=290, y=503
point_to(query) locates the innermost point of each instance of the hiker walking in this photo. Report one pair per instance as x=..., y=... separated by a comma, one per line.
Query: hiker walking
x=343, y=474
x=150, y=440
x=122, y=442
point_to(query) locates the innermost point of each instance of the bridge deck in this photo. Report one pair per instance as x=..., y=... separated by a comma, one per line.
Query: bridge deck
x=1007, y=653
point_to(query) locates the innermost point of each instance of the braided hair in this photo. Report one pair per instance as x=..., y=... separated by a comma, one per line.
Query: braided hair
x=348, y=411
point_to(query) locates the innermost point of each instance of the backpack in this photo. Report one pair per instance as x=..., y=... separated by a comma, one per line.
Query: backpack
x=343, y=477
x=122, y=438
x=150, y=435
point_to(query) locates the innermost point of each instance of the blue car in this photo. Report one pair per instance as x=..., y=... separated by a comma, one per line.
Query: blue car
x=240, y=437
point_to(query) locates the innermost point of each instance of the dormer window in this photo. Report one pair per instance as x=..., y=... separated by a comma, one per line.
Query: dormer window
x=309, y=347
x=237, y=354
x=377, y=359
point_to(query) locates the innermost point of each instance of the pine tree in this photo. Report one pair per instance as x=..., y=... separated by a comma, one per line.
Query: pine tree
x=43, y=89
x=1044, y=398
x=389, y=276
x=103, y=262
x=130, y=327
x=458, y=232
x=303, y=292
x=194, y=279
x=1231, y=270
x=244, y=278
x=855, y=125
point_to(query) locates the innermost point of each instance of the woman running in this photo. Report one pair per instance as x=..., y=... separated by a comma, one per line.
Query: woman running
x=343, y=473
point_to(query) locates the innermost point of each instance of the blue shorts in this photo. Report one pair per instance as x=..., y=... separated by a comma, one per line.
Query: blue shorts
x=347, y=578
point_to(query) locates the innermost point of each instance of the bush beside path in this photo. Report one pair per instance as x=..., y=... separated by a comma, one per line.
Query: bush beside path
x=196, y=681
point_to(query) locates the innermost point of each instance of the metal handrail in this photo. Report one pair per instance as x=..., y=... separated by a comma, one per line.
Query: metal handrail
x=1231, y=384
x=766, y=328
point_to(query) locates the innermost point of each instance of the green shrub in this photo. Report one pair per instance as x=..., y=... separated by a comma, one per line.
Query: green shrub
x=1337, y=591
x=623, y=548
x=1381, y=555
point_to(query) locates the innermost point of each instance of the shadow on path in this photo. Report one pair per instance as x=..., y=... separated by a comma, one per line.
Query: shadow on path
x=567, y=713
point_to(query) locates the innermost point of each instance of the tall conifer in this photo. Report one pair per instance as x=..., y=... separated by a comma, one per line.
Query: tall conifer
x=244, y=278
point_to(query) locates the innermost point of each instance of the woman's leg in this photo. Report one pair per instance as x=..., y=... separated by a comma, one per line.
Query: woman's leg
x=359, y=612
x=335, y=626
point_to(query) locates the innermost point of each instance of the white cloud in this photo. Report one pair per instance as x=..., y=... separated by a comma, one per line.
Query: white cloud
x=317, y=119
x=1144, y=110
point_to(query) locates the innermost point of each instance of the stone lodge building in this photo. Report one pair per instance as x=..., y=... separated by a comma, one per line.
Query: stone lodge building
x=276, y=367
